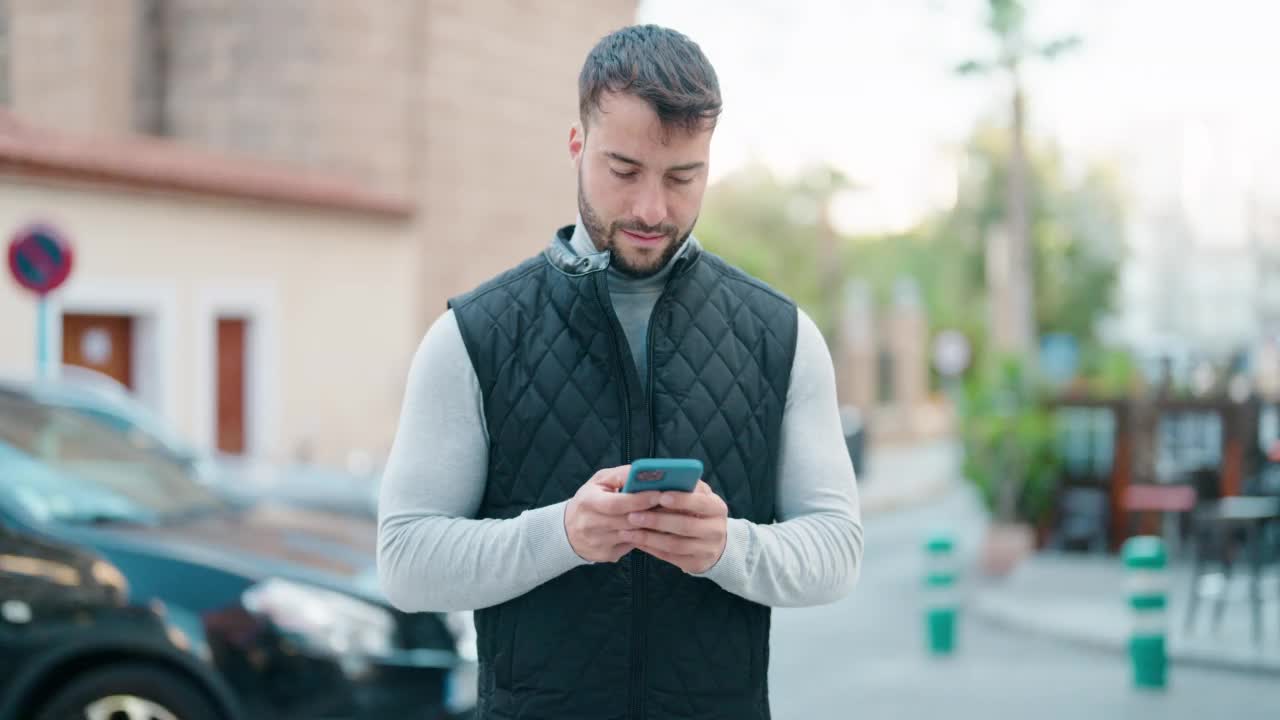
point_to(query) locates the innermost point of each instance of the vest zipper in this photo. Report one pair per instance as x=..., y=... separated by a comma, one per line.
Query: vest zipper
x=640, y=582
x=653, y=423
x=640, y=568
x=676, y=269
x=635, y=689
x=639, y=561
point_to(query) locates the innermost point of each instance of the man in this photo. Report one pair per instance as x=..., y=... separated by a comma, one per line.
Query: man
x=623, y=339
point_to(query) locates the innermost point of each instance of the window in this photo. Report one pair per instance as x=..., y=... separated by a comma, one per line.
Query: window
x=1188, y=441
x=1086, y=440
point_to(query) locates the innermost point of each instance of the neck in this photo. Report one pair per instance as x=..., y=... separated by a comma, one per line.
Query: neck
x=583, y=244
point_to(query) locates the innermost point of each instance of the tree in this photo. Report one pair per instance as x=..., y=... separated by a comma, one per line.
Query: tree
x=1077, y=234
x=1013, y=293
x=770, y=228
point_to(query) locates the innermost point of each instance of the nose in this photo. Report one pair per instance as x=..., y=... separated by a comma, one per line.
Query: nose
x=651, y=206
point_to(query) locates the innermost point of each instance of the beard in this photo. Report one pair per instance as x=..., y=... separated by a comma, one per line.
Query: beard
x=632, y=264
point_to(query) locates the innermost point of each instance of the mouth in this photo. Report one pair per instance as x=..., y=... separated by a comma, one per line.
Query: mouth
x=644, y=239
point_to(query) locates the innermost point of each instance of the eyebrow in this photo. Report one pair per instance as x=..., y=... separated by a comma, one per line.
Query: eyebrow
x=675, y=168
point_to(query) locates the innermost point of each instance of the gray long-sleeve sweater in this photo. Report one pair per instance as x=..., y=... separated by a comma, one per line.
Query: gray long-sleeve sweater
x=433, y=555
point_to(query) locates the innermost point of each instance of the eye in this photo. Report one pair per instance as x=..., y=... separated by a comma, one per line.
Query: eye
x=680, y=180
x=623, y=174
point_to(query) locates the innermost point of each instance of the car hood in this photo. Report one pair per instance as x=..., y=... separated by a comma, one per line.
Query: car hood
x=306, y=485
x=262, y=540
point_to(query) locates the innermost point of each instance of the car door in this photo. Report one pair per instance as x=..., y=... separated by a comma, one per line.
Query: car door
x=45, y=584
x=48, y=591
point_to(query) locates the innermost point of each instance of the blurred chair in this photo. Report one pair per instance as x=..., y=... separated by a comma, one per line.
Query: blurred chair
x=1266, y=482
x=1082, y=520
x=1224, y=530
x=1207, y=482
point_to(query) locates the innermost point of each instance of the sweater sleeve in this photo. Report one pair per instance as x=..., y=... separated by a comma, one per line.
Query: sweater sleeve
x=813, y=554
x=433, y=555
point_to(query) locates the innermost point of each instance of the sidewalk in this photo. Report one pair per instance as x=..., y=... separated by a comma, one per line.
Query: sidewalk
x=901, y=476
x=1082, y=599
x=1075, y=598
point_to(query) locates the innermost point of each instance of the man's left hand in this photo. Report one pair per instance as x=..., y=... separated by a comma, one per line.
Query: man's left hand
x=687, y=529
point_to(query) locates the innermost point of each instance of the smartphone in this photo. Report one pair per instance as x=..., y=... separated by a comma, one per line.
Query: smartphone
x=663, y=474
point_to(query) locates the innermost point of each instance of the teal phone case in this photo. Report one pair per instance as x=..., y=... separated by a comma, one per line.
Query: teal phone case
x=680, y=474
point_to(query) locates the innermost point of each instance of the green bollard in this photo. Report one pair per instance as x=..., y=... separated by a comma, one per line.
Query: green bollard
x=1145, y=560
x=942, y=607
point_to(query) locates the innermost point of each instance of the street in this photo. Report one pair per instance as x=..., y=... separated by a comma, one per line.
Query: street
x=865, y=657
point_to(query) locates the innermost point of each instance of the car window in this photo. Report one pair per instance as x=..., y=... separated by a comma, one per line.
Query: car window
x=95, y=461
x=136, y=434
x=38, y=491
x=128, y=415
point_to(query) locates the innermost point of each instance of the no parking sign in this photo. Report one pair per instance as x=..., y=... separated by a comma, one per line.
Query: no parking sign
x=40, y=260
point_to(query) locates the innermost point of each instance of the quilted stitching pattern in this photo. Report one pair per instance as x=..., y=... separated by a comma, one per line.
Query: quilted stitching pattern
x=720, y=398
x=542, y=347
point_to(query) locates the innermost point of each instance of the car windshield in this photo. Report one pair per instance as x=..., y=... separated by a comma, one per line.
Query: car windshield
x=56, y=464
x=117, y=409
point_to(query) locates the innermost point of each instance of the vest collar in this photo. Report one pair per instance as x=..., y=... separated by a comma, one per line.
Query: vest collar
x=561, y=256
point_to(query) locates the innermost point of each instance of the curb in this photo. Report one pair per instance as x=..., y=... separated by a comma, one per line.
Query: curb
x=987, y=607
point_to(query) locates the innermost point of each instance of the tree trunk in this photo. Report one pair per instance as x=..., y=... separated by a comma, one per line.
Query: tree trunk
x=1011, y=476
x=832, y=279
x=1021, y=336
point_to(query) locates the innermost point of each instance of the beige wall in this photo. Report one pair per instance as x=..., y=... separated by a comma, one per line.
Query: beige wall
x=338, y=289
x=462, y=106
x=5, y=90
x=500, y=90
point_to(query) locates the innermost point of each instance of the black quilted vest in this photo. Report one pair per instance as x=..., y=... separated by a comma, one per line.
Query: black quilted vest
x=638, y=639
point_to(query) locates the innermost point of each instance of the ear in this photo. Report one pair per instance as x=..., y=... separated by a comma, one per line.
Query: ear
x=577, y=141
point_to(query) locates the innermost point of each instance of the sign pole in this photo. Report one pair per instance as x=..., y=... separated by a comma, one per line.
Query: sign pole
x=42, y=337
x=40, y=260
x=952, y=355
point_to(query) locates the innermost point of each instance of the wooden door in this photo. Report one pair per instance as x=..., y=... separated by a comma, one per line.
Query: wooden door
x=100, y=342
x=231, y=384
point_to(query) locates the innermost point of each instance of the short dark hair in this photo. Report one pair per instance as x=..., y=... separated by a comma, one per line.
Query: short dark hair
x=658, y=65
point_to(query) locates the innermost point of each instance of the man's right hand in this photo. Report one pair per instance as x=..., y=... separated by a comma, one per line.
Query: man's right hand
x=597, y=515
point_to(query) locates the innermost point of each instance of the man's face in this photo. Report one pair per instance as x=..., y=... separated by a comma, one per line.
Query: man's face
x=640, y=185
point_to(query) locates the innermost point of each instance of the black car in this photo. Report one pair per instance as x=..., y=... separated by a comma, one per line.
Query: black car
x=128, y=590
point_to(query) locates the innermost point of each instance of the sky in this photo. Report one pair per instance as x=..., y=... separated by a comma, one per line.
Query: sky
x=1179, y=95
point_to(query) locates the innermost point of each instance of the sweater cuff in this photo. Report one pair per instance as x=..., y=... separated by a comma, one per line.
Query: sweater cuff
x=549, y=541
x=731, y=570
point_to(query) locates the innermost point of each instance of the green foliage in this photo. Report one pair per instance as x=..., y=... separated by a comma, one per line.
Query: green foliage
x=1108, y=373
x=1010, y=442
x=1054, y=49
x=1077, y=230
x=1005, y=18
x=769, y=229
x=1007, y=21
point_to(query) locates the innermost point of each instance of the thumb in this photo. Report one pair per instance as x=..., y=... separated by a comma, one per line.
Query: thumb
x=613, y=478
